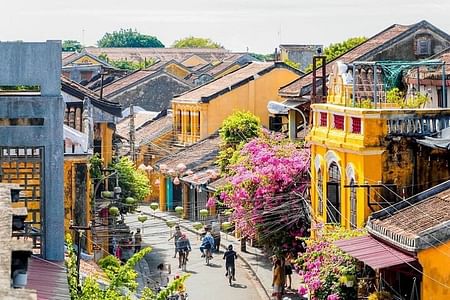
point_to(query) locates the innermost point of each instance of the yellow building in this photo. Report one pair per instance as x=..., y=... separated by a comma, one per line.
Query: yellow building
x=408, y=245
x=363, y=159
x=201, y=111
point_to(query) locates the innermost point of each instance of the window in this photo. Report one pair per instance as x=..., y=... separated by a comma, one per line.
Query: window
x=356, y=125
x=188, y=125
x=320, y=192
x=352, y=204
x=333, y=194
x=423, y=47
x=323, y=119
x=338, y=122
x=275, y=123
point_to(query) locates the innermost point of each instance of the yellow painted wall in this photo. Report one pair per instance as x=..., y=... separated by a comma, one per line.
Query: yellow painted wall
x=435, y=264
x=107, y=150
x=227, y=71
x=177, y=71
x=194, y=61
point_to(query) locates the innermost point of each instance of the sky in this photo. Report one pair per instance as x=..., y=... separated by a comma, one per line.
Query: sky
x=239, y=25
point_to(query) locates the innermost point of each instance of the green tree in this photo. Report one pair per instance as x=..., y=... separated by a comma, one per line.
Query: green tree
x=292, y=64
x=263, y=57
x=125, y=64
x=129, y=38
x=71, y=45
x=335, y=50
x=195, y=42
x=236, y=130
x=133, y=182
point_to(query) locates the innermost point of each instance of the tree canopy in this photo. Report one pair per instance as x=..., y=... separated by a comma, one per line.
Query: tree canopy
x=195, y=42
x=129, y=38
x=71, y=45
x=337, y=49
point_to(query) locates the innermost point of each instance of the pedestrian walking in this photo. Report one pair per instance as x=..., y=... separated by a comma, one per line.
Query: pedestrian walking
x=137, y=241
x=277, y=279
x=288, y=270
x=176, y=235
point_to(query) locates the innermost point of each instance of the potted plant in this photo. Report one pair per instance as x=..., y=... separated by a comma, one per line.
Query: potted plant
x=142, y=218
x=170, y=223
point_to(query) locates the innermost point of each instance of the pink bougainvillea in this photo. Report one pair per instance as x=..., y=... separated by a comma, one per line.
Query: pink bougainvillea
x=267, y=186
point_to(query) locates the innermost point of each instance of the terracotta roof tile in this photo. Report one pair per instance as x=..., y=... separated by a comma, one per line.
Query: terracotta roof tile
x=126, y=81
x=140, y=119
x=412, y=221
x=294, y=88
x=196, y=156
x=154, y=130
x=214, y=87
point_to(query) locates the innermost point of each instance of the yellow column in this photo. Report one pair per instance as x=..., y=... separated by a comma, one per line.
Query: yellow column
x=183, y=125
x=162, y=193
x=185, y=199
x=203, y=124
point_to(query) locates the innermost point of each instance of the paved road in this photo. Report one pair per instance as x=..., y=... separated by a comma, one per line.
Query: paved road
x=205, y=282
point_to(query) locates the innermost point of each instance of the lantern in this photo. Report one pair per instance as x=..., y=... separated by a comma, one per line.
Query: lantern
x=181, y=167
x=176, y=181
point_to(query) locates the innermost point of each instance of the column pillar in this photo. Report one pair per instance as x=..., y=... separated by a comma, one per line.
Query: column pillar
x=162, y=192
x=292, y=125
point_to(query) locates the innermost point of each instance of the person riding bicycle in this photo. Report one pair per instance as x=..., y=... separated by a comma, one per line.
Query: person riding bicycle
x=230, y=257
x=183, y=245
x=207, y=243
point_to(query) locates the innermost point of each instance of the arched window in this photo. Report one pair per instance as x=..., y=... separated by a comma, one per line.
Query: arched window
x=333, y=194
x=352, y=204
x=320, y=192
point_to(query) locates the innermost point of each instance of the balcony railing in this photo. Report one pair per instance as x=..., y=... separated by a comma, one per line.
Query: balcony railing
x=417, y=126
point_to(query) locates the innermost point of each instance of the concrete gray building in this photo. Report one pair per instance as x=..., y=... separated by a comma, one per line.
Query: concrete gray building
x=31, y=138
x=300, y=54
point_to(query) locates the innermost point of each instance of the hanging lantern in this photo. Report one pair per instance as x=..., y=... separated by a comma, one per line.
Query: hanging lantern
x=154, y=206
x=157, y=182
x=179, y=210
x=189, y=172
x=142, y=218
x=142, y=167
x=171, y=172
x=213, y=174
x=149, y=169
x=176, y=181
x=197, y=225
x=180, y=167
x=204, y=212
x=114, y=211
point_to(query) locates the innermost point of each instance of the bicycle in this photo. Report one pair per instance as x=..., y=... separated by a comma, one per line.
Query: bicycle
x=208, y=256
x=183, y=260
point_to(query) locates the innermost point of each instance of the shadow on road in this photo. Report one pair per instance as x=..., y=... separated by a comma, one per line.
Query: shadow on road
x=239, y=286
x=191, y=272
x=211, y=265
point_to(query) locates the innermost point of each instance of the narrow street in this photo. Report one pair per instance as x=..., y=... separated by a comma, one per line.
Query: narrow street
x=205, y=282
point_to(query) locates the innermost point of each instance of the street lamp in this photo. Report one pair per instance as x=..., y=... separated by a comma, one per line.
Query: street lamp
x=279, y=108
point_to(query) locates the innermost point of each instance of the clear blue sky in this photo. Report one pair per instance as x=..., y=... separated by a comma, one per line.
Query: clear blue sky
x=260, y=25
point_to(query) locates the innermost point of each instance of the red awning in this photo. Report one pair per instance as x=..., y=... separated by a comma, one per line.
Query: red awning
x=374, y=253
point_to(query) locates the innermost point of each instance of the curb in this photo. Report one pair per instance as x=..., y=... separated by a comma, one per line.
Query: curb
x=222, y=245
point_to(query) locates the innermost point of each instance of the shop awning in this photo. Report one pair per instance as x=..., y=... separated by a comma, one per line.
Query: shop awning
x=373, y=253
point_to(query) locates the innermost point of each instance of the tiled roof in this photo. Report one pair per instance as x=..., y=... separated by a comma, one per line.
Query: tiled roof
x=154, y=130
x=228, y=82
x=202, y=176
x=140, y=119
x=412, y=223
x=215, y=185
x=163, y=54
x=49, y=279
x=294, y=88
x=77, y=90
x=426, y=73
x=66, y=56
x=195, y=156
x=126, y=81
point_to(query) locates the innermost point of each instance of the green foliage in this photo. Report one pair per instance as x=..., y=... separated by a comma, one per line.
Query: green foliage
x=263, y=57
x=236, y=130
x=134, y=182
x=129, y=38
x=172, y=288
x=398, y=97
x=195, y=42
x=335, y=50
x=125, y=64
x=96, y=166
x=71, y=45
x=292, y=64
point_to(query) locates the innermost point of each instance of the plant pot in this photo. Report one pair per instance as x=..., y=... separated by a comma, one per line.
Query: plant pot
x=142, y=218
x=349, y=283
x=226, y=225
x=114, y=211
x=197, y=225
x=107, y=194
x=179, y=209
x=130, y=200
